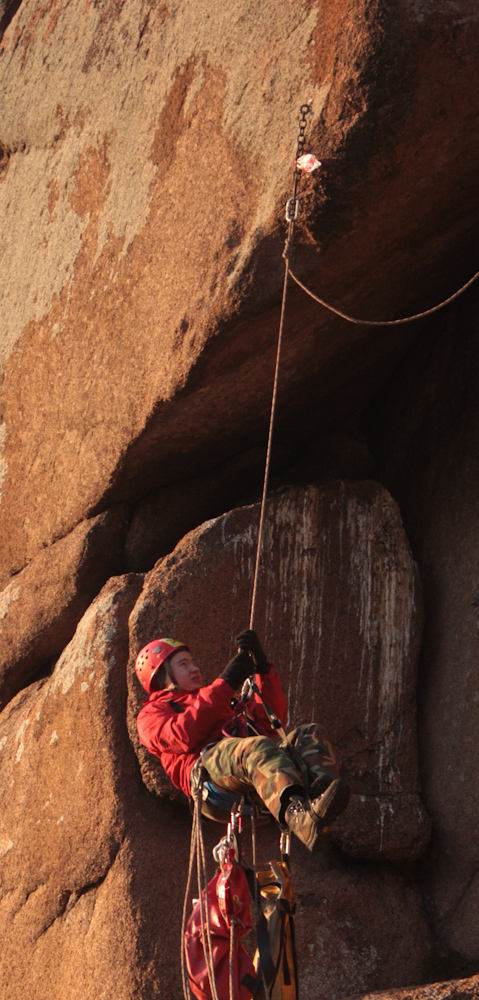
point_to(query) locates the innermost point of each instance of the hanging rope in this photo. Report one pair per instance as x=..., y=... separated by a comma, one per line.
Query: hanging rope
x=184, y=975
x=292, y=209
x=197, y=853
x=229, y=847
x=203, y=901
x=385, y=322
x=259, y=544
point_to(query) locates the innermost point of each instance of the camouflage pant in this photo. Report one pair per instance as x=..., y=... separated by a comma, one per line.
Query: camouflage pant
x=236, y=765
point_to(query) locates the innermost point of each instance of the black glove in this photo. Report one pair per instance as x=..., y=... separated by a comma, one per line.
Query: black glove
x=248, y=640
x=238, y=669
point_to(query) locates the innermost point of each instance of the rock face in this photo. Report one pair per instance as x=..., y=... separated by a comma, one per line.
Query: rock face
x=159, y=521
x=77, y=829
x=41, y=607
x=143, y=180
x=93, y=868
x=146, y=154
x=429, y=457
x=357, y=925
x=455, y=989
x=340, y=610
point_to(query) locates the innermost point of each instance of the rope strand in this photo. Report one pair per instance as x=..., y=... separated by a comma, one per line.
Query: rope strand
x=184, y=976
x=205, y=913
x=231, y=958
x=384, y=322
x=259, y=544
x=292, y=209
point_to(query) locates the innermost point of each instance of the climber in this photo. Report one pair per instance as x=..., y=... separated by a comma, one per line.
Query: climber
x=298, y=782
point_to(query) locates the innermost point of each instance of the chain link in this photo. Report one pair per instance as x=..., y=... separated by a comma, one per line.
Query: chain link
x=305, y=110
x=292, y=205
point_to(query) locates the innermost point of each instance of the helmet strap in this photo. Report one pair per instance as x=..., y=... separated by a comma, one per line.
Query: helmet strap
x=169, y=672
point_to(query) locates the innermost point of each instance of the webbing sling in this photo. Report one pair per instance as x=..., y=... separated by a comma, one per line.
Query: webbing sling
x=276, y=953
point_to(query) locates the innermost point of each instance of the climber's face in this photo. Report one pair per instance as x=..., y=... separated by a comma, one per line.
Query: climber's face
x=184, y=670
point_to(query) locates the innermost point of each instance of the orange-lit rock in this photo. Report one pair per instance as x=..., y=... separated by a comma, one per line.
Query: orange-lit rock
x=146, y=160
x=81, y=869
x=339, y=609
x=146, y=153
x=41, y=607
x=454, y=989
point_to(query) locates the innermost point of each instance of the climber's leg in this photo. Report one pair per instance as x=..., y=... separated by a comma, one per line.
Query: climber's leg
x=315, y=748
x=237, y=765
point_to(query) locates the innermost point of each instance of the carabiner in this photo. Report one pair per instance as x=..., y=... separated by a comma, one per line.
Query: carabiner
x=292, y=210
x=285, y=843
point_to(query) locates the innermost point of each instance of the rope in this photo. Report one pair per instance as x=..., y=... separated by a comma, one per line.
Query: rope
x=184, y=977
x=253, y=836
x=204, y=903
x=292, y=209
x=231, y=958
x=197, y=852
x=385, y=322
x=259, y=544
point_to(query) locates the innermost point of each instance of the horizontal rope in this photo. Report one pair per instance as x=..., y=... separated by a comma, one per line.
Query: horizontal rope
x=385, y=322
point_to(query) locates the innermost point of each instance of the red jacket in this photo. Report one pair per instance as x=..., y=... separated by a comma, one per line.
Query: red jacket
x=177, y=735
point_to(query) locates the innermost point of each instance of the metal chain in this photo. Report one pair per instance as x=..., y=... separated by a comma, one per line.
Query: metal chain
x=292, y=209
x=292, y=206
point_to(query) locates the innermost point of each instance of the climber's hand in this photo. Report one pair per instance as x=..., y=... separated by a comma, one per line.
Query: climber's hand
x=248, y=640
x=238, y=669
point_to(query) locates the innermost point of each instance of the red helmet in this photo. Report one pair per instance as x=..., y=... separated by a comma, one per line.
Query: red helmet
x=151, y=657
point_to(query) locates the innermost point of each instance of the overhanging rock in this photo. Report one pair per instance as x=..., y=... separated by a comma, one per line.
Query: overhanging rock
x=145, y=161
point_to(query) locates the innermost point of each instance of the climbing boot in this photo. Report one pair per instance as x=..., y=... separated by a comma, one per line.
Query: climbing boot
x=331, y=803
x=318, y=786
x=308, y=820
x=303, y=823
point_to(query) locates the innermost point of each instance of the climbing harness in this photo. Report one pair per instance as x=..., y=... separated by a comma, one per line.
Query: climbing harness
x=217, y=804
